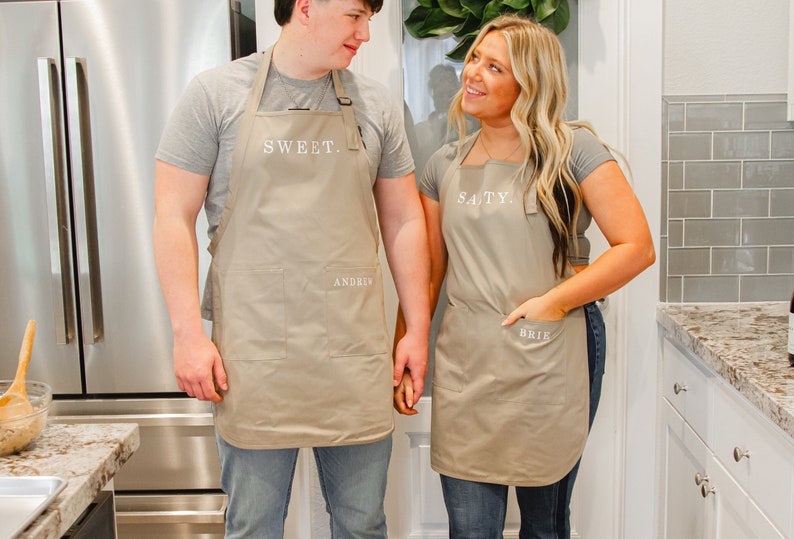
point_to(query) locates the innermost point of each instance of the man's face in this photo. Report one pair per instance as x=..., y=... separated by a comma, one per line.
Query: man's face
x=337, y=29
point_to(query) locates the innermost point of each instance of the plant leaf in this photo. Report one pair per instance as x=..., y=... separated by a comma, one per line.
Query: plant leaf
x=476, y=7
x=453, y=7
x=492, y=10
x=517, y=5
x=544, y=8
x=469, y=28
x=458, y=53
x=558, y=21
x=426, y=22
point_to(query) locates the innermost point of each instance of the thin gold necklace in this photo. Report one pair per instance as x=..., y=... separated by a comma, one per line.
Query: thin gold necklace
x=292, y=97
x=505, y=158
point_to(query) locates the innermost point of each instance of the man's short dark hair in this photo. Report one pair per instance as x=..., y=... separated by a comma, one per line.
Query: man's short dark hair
x=283, y=9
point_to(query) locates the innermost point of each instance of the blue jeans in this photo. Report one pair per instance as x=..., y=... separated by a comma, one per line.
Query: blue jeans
x=259, y=484
x=477, y=510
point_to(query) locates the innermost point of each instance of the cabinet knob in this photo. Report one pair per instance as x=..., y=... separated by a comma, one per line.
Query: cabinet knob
x=739, y=453
x=678, y=388
x=700, y=478
x=705, y=490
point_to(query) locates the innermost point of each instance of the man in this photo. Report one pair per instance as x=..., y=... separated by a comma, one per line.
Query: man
x=286, y=151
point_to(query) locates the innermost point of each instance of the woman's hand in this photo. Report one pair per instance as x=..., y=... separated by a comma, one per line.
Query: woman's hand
x=404, y=395
x=537, y=308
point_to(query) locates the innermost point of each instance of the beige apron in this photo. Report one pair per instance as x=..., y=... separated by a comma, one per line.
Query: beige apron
x=510, y=404
x=297, y=303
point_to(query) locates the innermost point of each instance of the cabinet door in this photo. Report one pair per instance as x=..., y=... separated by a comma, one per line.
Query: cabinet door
x=737, y=517
x=686, y=512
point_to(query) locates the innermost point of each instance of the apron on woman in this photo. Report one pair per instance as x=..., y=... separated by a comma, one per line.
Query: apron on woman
x=297, y=303
x=510, y=403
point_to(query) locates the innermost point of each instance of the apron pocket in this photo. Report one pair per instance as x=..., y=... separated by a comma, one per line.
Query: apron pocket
x=355, y=314
x=248, y=314
x=532, y=365
x=451, y=349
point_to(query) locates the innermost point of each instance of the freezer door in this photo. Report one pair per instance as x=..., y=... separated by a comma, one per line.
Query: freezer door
x=126, y=64
x=35, y=267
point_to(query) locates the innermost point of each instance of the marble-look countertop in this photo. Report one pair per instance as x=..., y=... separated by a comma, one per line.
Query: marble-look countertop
x=87, y=456
x=745, y=343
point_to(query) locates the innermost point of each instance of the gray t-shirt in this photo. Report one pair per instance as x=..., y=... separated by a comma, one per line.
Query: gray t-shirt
x=586, y=155
x=201, y=132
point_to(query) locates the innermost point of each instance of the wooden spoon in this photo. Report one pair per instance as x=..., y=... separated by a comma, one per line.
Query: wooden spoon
x=14, y=402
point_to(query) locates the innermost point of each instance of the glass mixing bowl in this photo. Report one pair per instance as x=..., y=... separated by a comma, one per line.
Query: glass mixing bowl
x=18, y=432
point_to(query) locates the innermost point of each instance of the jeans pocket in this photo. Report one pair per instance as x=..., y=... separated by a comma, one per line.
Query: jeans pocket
x=248, y=314
x=355, y=315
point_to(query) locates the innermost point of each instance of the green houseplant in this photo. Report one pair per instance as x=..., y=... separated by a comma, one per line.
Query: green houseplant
x=464, y=18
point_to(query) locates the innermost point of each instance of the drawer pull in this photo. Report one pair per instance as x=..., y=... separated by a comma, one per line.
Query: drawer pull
x=705, y=490
x=678, y=388
x=739, y=453
x=700, y=478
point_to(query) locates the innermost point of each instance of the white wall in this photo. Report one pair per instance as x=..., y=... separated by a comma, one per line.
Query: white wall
x=725, y=47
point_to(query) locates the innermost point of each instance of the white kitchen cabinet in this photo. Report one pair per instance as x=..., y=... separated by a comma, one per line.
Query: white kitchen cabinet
x=726, y=471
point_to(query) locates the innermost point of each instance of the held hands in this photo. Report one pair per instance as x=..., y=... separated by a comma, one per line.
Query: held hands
x=410, y=368
x=404, y=396
x=198, y=368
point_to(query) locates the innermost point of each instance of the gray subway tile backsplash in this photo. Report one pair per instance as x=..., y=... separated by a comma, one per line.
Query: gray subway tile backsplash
x=710, y=288
x=684, y=204
x=741, y=203
x=712, y=232
x=770, y=115
x=712, y=174
x=741, y=145
x=772, y=231
x=687, y=146
x=713, y=117
x=675, y=175
x=689, y=261
x=782, y=144
x=782, y=204
x=739, y=260
x=766, y=287
x=781, y=259
x=728, y=192
x=676, y=113
x=774, y=173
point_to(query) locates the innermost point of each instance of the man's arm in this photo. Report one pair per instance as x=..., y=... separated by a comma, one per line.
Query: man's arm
x=402, y=225
x=178, y=197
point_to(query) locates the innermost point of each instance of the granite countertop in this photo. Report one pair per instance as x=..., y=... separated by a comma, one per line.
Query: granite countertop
x=87, y=456
x=745, y=343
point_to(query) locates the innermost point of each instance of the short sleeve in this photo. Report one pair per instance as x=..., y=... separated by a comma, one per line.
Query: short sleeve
x=587, y=154
x=436, y=167
x=190, y=137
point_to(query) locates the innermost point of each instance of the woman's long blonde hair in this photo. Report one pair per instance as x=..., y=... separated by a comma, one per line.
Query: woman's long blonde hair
x=539, y=67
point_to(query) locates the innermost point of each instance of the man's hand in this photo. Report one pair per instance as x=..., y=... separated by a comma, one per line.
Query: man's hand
x=198, y=368
x=410, y=360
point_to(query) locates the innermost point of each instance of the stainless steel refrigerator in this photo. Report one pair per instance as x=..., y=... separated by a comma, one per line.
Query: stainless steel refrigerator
x=85, y=89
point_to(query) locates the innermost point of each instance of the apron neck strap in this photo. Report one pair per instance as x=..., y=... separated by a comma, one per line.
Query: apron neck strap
x=346, y=105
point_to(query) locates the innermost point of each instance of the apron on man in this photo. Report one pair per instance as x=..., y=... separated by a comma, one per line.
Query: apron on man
x=510, y=403
x=297, y=303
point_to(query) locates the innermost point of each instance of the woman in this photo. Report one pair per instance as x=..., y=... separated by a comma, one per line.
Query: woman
x=520, y=353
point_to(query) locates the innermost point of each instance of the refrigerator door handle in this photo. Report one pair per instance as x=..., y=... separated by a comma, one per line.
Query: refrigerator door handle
x=79, y=128
x=57, y=202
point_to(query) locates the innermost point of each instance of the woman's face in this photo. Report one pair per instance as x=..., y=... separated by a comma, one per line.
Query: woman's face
x=489, y=87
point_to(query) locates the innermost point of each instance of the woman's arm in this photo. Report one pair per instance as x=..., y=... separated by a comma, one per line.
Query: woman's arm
x=619, y=216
